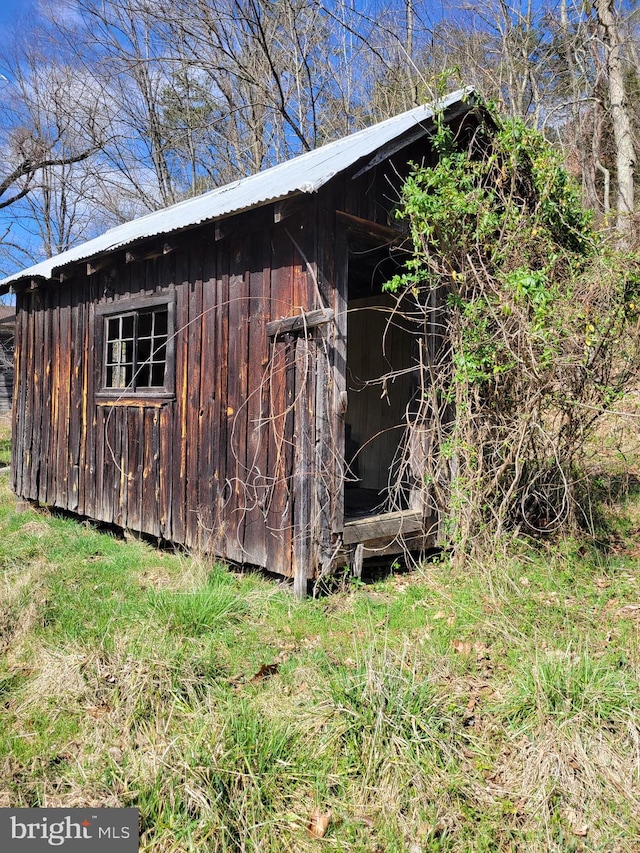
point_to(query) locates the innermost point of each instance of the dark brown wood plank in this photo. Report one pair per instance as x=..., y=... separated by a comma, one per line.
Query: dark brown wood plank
x=84, y=403
x=134, y=427
x=89, y=496
x=165, y=475
x=339, y=266
x=47, y=429
x=18, y=436
x=150, y=486
x=79, y=357
x=167, y=419
x=280, y=395
x=194, y=369
x=106, y=459
x=54, y=404
x=95, y=488
x=255, y=543
x=64, y=356
x=117, y=463
x=38, y=453
x=28, y=407
x=220, y=414
x=236, y=400
x=208, y=358
x=179, y=484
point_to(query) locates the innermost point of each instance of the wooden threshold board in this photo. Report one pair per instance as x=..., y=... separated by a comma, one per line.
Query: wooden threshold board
x=381, y=526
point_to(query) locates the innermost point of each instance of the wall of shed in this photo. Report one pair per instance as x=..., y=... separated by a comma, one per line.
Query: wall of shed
x=247, y=461
x=212, y=468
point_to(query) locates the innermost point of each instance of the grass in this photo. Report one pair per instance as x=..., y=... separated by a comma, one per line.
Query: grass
x=490, y=708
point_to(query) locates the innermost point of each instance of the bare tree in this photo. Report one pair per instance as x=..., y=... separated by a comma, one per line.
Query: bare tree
x=620, y=117
x=47, y=130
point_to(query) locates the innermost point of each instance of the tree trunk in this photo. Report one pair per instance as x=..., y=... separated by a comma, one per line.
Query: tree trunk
x=622, y=131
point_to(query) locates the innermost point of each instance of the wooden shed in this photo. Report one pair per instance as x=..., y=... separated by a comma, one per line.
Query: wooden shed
x=222, y=374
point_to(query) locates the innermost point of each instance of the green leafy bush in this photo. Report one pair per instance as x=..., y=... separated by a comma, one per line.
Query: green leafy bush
x=536, y=325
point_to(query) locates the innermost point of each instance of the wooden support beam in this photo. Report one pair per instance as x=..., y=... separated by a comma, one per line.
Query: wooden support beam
x=148, y=253
x=367, y=228
x=99, y=264
x=68, y=273
x=300, y=322
x=288, y=207
x=224, y=228
x=357, y=560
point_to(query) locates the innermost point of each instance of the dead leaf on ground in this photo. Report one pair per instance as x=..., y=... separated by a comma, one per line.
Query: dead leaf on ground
x=266, y=671
x=97, y=711
x=319, y=823
x=462, y=647
x=628, y=611
x=465, y=647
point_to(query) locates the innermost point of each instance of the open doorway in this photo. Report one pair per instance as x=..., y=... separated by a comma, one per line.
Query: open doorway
x=381, y=383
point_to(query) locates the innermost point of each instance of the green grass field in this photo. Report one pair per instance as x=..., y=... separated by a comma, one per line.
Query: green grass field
x=488, y=708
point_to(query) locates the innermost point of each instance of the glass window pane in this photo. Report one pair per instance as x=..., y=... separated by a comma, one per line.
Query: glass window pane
x=160, y=326
x=115, y=354
x=118, y=376
x=113, y=329
x=142, y=376
x=145, y=323
x=127, y=326
x=144, y=351
x=157, y=375
x=160, y=349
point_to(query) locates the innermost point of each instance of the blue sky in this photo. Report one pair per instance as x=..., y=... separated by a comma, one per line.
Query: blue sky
x=11, y=11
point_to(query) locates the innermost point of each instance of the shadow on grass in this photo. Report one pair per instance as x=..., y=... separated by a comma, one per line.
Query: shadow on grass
x=610, y=502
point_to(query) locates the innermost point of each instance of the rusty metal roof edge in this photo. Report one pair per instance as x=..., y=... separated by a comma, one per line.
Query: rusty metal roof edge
x=305, y=173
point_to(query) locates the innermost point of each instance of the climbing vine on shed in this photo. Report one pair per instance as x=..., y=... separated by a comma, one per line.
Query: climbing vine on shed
x=529, y=325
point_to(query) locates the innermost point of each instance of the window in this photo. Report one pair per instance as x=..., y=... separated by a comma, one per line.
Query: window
x=137, y=350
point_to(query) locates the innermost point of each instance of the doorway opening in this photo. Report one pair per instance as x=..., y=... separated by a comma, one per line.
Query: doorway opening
x=381, y=383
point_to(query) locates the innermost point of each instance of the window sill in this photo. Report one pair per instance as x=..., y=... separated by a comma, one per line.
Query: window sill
x=141, y=400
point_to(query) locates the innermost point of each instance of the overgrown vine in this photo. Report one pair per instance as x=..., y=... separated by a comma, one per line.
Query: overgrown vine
x=529, y=327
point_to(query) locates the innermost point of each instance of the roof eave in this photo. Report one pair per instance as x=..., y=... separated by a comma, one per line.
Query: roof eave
x=124, y=237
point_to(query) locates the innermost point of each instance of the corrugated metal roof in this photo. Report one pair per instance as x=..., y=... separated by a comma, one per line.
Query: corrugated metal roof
x=305, y=173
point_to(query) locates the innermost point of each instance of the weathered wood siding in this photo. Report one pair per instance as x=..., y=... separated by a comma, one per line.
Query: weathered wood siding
x=245, y=460
x=213, y=467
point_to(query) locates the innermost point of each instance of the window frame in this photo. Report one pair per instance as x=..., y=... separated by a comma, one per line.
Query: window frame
x=126, y=307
